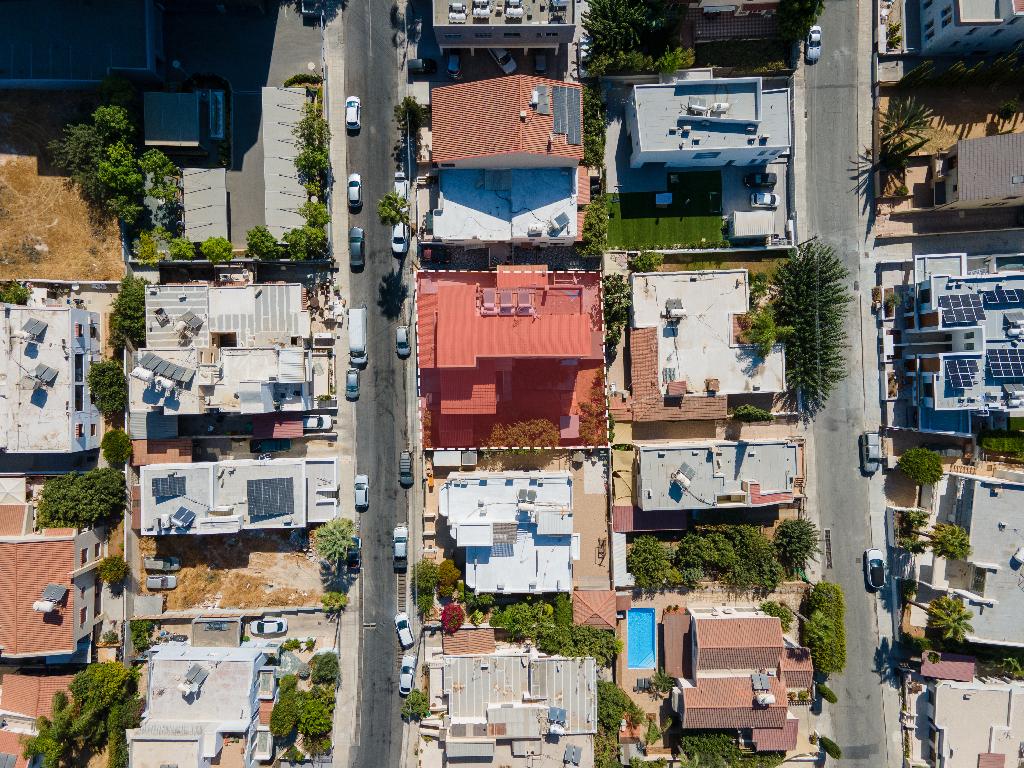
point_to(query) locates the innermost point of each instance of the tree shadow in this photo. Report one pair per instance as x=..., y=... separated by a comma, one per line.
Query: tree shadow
x=393, y=293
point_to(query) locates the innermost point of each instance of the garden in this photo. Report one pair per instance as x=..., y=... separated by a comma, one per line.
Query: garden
x=692, y=220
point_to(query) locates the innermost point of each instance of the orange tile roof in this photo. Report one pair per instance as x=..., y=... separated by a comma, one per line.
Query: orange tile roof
x=26, y=567
x=170, y=451
x=469, y=642
x=777, y=739
x=594, y=607
x=582, y=186
x=12, y=743
x=738, y=643
x=721, y=703
x=948, y=666
x=276, y=425
x=991, y=760
x=649, y=404
x=32, y=695
x=797, y=667
x=473, y=391
x=482, y=119
x=677, y=643
x=266, y=707
x=12, y=519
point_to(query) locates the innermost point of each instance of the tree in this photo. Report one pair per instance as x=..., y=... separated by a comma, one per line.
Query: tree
x=764, y=332
x=78, y=152
x=674, y=59
x=141, y=631
x=452, y=618
x=116, y=447
x=312, y=163
x=617, y=301
x=323, y=668
x=831, y=748
x=334, y=602
x=108, y=386
x=649, y=562
x=563, y=610
x=55, y=739
x=646, y=261
x=315, y=214
x=796, y=541
x=827, y=693
x=113, y=125
x=425, y=574
x=181, y=249
x=162, y=174
x=781, y=611
x=902, y=131
x=594, y=238
x=948, y=617
x=261, y=244
x=749, y=413
x=448, y=576
x=951, y=542
x=118, y=171
x=795, y=17
x=519, y=620
x=921, y=465
x=312, y=130
x=740, y=556
x=217, y=250
x=812, y=299
x=146, y=249
x=306, y=243
x=622, y=25
x=411, y=116
x=117, y=90
x=315, y=710
x=662, y=682
x=284, y=717
x=393, y=209
x=13, y=292
x=95, y=692
x=112, y=569
x=534, y=433
x=416, y=705
x=824, y=632
x=82, y=501
x=333, y=540
x=128, y=316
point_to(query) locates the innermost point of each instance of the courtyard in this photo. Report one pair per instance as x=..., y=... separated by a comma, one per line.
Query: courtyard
x=693, y=215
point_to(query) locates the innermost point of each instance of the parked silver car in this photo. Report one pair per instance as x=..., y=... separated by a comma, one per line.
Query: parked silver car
x=404, y=630
x=402, y=346
x=362, y=491
x=407, y=676
x=161, y=582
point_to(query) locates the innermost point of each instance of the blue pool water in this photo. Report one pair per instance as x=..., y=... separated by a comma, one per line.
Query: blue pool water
x=641, y=652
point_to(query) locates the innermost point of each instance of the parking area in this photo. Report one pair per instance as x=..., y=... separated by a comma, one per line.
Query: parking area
x=250, y=50
x=736, y=195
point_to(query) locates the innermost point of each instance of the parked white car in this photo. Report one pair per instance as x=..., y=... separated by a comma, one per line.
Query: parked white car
x=813, y=47
x=161, y=582
x=353, y=113
x=404, y=630
x=764, y=200
x=317, y=423
x=362, y=491
x=407, y=677
x=355, y=191
x=269, y=625
x=401, y=185
x=399, y=239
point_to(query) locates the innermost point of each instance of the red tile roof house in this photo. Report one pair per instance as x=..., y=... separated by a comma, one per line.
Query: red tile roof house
x=507, y=152
x=24, y=698
x=742, y=671
x=501, y=348
x=48, y=593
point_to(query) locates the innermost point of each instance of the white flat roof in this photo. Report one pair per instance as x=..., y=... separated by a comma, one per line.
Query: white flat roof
x=516, y=528
x=698, y=345
x=496, y=206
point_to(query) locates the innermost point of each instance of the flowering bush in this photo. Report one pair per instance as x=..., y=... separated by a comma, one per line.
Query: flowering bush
x=452, y=617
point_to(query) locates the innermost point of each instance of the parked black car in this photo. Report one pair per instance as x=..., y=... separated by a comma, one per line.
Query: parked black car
x=766, y=180
x=422, y=66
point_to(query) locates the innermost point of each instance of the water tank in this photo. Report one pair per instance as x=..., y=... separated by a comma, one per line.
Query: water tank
x=765, y=699
x=43, y=606
x=164, y=383
x=680, y=479
x=142, y=374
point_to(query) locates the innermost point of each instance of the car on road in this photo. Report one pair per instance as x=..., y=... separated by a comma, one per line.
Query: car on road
x=454, y=65
x=407, y=676
x=269, y=625
x=870, y=452
x=400, y=548
x=399, y=239
x=401, y=185
x=352, y=384
x=422, y=66
x=402, y=346
x=162, y=564
x=405, y=469
x=356, y=242
x=317, y=423
x=354, y=559
x=355, y=191
x=503, y=59
x=404, y=630
x=874, y=569
x=764, y=180
x=353, y=113
x=362, y=491
x=161, y=582
x=764, y=200
x=813, y=48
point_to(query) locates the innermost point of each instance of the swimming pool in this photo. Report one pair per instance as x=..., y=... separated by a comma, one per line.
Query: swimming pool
x=641, y=651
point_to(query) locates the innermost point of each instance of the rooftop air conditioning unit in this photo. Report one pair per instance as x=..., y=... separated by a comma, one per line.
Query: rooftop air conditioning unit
x=721, y=106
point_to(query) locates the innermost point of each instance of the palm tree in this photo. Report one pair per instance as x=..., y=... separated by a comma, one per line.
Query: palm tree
x=902, y=131
x=950, y=541
x=1013, y=667
x=948, y=617
x=393, y=209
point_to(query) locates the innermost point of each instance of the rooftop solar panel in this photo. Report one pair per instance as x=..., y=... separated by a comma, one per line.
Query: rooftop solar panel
x=1000, y=295
x=168, y=487
x=34, y=327
x=46, y=374
x=270, y=497
x=1006, y=363
x=961, y=373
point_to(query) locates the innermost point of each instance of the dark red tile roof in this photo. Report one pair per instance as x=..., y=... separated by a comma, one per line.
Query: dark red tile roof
x=594, y=607
x=777, y=739
x=738, y=643
x=276, y=425
x=649, y=404
x=720, y=703
x=483, y=119
x=948, y=666
x=629, y=519
x=676, y=642
x=177, y=450
x=991, y=760
x=797, y=667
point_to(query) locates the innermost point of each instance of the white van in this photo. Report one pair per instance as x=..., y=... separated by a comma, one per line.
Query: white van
x=357, y=335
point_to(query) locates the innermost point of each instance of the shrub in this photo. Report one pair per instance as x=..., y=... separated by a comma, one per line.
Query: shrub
x=448, y=576
x=112, y=569
x=425, y=603
x=82, y=501
x=796, y=541
x=108, y=386
x=674, y=59
x=649, y=562
x=333, y=602
x=908, y=589
x=751, y=413
x=534, y=433
x=921, y=465
x=617, y=301
x=951, y=542
x=141, y=631
x=146, y=249
x=593, y=127
x=1008, y=109
x=594, y=238
x=452, y=618
x=425, y=574
x=116, y=447
x=646, y=261
x=827, y=693
x=303, y=78
x=795, y=17
x=824, y=632
x=831, y=748
x=416, y=705
x=13, y=292
x=333, y=540
x=563, y=610
x=261, y=244
x=316, y=708
x=181, y=249
x=781, y=611
x=740, y=556
x=110, y=637
x=324, y=668
x=411, y=115
x=662, y=682
x=284, y=717
x=576, y=640
x=217, y=250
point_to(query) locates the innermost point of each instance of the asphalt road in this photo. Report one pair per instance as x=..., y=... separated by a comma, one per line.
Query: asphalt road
x=371, y=72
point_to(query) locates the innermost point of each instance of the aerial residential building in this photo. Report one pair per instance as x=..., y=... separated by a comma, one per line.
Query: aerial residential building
x=517, y=24
x=959, y=354
x=975, y=723
x=501, y=348
x=987, y=582
x=976, y=27
x=205, y=706
x=985, y=172
x=45, y=355
x=237, y=494
x=515, y=707
x=734, y=671
x=507, y=152
x=221, y=349
x=27, y=697
x=516, y=529
x=705, y=121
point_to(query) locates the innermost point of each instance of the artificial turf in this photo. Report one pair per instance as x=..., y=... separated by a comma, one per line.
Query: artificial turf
x=694, y=215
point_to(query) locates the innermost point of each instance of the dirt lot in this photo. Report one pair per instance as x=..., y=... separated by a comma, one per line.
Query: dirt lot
x=249, y=570
x=46, y=231
x=961, y=113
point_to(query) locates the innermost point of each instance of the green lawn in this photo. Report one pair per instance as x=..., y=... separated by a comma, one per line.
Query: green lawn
x=693, y=218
